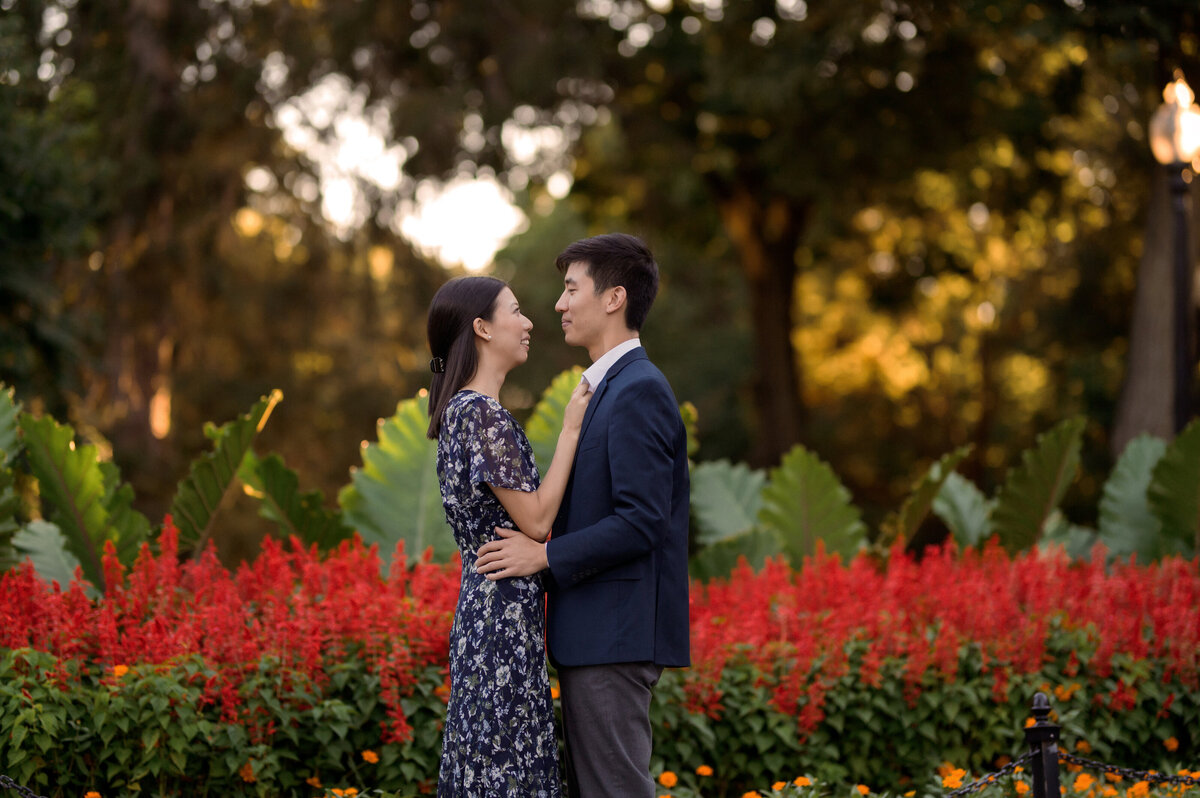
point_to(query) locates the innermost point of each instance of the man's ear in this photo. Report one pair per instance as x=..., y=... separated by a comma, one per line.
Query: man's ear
x=616, y=299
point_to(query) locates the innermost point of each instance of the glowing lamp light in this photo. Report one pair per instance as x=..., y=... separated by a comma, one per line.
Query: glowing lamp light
x=1175, y=126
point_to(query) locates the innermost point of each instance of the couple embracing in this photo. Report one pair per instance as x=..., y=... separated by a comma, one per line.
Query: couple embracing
x=589, y=563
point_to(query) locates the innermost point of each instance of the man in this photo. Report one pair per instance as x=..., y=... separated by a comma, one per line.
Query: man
x=617, y=558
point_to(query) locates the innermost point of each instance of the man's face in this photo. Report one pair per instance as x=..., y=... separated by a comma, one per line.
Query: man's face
x=583, y=310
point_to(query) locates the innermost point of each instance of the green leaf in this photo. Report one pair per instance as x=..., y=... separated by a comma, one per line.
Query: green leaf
x=1127, y=526
x=1033, y=489
x=804, y=502
x=545, y=422
x=10, y=505
x=726, y=499
x=46, y=546
x=127, y=527
x=1174, y=492
x=965, y=510
x=302, y=515
x=691, y=423
x=717, y=560
x=202, y=490
x=1076, y=540
x=395, y=496
x=904, y=523
x=71, y=483
x=10, y=409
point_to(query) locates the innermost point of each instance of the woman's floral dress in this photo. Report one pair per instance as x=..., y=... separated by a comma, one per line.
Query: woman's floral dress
x=499, y=737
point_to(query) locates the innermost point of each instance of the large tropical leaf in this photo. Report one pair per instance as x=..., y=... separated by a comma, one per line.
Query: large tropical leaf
x=10, y=441
x=10, y=503
x=395, y=495
x=1127, y=526
x=202, y=490
x=128, y=528
x=545, y=422
x=71, y=485
x=965, y=510
x=1077, y=541
x=719, y=559
x=302, y=515
x=1033, y=489
x=804, y=502
x=47, y=548
x=902, y=524
x=726, y=498
x=1174, y=492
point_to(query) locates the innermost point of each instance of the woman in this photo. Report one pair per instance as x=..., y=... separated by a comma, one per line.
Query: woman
x=499, y=736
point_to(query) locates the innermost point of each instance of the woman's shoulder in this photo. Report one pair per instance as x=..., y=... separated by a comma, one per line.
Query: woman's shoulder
x=475, y=407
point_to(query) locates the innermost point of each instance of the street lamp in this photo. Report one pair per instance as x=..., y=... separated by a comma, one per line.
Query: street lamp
x=1175, y=142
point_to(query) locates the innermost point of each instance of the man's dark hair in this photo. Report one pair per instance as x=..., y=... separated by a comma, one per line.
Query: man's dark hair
x=616, y=259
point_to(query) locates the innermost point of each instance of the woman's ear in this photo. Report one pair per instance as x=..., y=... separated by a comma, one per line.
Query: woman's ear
x=481, y=329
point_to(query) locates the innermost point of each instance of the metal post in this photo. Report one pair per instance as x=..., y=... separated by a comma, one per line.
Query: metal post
x=1042, y=737
x=1183, y=298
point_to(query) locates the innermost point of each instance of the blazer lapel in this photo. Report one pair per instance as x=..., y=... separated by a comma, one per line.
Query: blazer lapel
x=598, y=391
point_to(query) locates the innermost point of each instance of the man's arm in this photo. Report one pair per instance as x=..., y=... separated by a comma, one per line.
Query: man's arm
x=514, y=554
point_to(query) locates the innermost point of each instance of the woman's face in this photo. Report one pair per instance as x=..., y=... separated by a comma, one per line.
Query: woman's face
x=509, y=329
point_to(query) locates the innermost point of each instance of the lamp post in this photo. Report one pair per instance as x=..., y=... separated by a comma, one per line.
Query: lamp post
x=1175, y=141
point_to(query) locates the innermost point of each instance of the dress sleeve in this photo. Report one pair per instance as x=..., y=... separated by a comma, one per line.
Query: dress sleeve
x=495, y=451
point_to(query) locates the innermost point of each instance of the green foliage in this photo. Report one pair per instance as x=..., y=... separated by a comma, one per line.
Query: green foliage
x=300, y=515
x=201, y=492
x=395, y=496
x=1127, y=526
x=717, y=560
x=1032, y=491
x=804, y=502
x=72, y=488
x=545, y=422
x=1174, y=492
x=10, y=441
x=965, y=510
x=904, y=523
x=50, y=552
x=726, y=499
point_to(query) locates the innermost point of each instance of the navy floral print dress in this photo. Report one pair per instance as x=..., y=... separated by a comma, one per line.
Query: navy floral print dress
x=499, y=736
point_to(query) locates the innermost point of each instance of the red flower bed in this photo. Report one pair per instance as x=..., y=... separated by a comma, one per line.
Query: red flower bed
x=292, y=605
x=798, y=627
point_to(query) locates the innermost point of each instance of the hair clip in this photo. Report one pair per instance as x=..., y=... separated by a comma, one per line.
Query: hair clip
x=437, y=365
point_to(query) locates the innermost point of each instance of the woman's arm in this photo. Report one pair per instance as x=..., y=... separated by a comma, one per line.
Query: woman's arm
x=534, y=511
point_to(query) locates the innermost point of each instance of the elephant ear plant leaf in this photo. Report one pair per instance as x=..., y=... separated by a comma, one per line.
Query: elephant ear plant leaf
x=804, y=502
x=10, y=501
x=545, y=422
x=299, y=515
x=965, y=510
x=902, y=524
x=201, y=492
x=1174, y=493
x=1127, y=524
x=395, y=496
x=1031, y=493
x=47, y=548
x=726, y=499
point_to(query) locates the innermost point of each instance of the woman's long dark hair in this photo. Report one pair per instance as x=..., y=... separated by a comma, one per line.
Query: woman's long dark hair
x=451, y=334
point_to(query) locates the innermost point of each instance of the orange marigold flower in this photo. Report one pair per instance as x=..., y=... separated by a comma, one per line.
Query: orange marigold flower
x=555, y=692
x=120, y=670
x=246, y=771
x=313, y=781
x=802, y=781
x=1113, y=777
x=370, y=756
x=1109, y=791
x=1083, y=747
x=1083, y=781
x=91, y=794
x=779, y=785
x=750, y=794
x=863, y=789
x=1030, y=722
x=910, y=794
x=1171, y=743
x=704, y=770
x=954, y=779
x=1021, y=787
x=668, y=779
x=1139, y=790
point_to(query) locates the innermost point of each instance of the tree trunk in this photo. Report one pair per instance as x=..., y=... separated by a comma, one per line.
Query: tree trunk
x=766, y=236
x=1146, y=401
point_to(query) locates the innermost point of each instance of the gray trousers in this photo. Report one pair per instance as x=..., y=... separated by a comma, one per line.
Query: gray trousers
x=606, y=728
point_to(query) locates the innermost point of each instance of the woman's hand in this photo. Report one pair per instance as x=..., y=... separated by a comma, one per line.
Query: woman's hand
x=576, y=407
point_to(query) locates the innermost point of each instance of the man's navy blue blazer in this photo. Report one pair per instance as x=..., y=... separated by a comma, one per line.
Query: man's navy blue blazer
x=618, y=551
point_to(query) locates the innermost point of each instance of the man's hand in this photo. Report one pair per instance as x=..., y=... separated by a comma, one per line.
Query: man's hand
x=513, y=555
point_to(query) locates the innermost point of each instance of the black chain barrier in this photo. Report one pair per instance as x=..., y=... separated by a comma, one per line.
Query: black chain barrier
x=8, y=784
x=1148, y=776
x=984, y=781
x=1042, y=737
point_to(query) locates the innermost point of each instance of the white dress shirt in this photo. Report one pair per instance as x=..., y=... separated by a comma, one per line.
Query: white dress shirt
x=596, y=372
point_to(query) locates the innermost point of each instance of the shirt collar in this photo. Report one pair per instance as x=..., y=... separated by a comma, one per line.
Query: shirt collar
x=597, y=371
